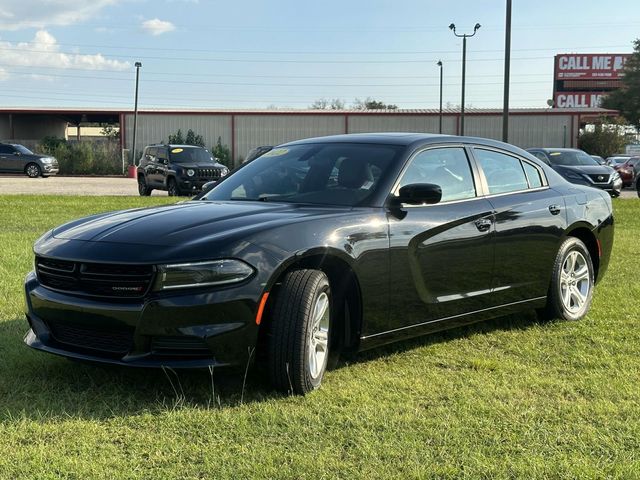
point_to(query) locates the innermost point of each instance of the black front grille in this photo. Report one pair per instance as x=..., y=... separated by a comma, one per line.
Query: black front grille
x=209, y=173
x=180, y=346
x=97, y=279
x=102, y=340
x=599, y=178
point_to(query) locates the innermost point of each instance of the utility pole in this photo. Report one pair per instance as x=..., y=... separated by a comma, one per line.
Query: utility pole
x=507, y=67
x=464, y=62
x=135, y=112
x=440, y=119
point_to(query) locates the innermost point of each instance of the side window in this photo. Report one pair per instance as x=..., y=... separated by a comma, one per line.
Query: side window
x=150, y=154
x=162, y=154
x=6, y=149
x=447, y=167
x=533, y=175
x=504, y=173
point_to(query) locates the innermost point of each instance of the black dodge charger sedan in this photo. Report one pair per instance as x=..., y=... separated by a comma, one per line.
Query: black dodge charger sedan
x=322, y=246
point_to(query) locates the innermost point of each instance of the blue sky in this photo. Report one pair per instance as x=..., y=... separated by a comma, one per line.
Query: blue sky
x=253, y=54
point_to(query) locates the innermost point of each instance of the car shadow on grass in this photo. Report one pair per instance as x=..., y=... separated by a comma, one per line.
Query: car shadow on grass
x=40, y=386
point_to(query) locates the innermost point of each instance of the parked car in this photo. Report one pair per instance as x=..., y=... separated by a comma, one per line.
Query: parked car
x=599, y=159
x=617, y=159
x=178, y=169
x=627, y=168
x=579, y=168
x=252, y=155
x=321, y=246
x=15, y=158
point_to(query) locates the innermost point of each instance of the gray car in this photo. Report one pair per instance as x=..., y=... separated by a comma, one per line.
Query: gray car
x=15, y=158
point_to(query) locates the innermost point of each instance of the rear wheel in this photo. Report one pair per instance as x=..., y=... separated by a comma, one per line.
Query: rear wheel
x=298, y=349
x=33, y=170
x=172, y=188
x=143, y=188
x=571, y=288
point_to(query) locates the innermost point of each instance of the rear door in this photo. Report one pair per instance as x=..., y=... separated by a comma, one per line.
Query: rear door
x=441, y=255
x=529, y=224
x=9, y=161
x=162, y=167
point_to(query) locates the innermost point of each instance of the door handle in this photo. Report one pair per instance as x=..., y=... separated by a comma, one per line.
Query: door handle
x=554, y=209
x=483, y=224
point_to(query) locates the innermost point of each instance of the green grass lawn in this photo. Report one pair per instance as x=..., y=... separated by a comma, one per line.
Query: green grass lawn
x=512, y=397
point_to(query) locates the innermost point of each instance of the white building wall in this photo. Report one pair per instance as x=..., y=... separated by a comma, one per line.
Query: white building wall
x=401, y=123
x=256, y=130
x=155, y=128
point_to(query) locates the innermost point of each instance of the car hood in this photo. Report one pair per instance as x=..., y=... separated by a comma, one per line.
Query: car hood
x=200, y=165
x=187, y=223
x=588, y=169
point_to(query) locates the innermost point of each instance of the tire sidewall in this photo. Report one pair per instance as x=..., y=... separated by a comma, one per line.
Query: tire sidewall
x=173, y=192
x=569, y=245
x=321, y=287
x=143, y=189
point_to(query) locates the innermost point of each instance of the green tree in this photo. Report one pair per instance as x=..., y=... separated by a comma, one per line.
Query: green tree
x=372, y=104
x=110, y=132
x=176, y=138
x=193, y=139
x=222, y=153
x=607, y=138
x=627, y=98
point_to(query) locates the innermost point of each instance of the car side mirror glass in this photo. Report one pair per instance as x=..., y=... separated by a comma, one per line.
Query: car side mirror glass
x=419, y=194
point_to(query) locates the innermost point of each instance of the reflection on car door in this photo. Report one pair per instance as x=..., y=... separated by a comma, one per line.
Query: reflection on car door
x=441, y=255
x=161, y=167
x=529, y=224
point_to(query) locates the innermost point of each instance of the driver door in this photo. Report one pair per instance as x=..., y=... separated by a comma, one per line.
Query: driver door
x=441, y=255
x=9, y=161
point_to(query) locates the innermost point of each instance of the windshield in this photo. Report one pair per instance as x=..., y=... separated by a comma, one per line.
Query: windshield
x=619, y=160
x=23, y=149
x=569, y=157
x=190, y=155
x=325, y=174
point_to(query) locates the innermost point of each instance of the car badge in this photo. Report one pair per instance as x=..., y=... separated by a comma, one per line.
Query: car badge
x=600, y=178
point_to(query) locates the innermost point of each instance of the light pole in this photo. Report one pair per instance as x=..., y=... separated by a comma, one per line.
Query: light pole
x=507, y=67
x=464, y=61
x=135, y=112
x=440, y=120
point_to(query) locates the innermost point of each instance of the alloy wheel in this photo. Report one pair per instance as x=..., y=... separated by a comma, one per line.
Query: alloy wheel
x=33, y=171
x=318, y=349
x=575, y=281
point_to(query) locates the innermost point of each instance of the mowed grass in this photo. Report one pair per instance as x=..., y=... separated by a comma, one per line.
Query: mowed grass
x=509, y=398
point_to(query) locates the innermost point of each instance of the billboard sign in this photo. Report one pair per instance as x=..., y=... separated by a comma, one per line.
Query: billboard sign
x=590, y=66
x=577, y=99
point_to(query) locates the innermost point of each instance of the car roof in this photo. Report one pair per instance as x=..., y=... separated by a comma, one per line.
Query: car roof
x=173, y=145
x=407, y=139
x=553, y=149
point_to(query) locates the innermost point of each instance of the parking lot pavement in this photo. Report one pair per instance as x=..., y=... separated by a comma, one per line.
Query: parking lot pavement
x=70, y=186
x=629, y=193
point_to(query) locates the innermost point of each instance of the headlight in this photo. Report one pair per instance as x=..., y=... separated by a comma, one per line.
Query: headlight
x=224, y=172
x=46, y=160
x=191, y=172
x=615, y=175
x=202, y=274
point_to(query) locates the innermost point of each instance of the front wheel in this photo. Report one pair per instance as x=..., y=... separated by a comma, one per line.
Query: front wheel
x=172, y=188
x=571, y=288
x=33, y=170
x=298, y=348
x=143, y=188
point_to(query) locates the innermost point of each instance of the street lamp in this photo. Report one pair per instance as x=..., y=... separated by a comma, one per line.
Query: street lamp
x=507, y=68
x=440, y=119
x=464, y=61
x=135, y=112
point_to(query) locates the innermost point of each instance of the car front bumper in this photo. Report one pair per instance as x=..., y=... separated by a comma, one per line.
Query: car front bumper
x=193, y=186
x=183, y=330
x=50, y=169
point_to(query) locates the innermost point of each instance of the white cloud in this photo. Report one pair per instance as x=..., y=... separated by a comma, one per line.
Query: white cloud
x=44, y=51
x=157, y=26
x=18, y=14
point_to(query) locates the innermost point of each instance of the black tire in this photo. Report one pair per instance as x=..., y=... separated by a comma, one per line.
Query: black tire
x=638, y=186
x=294, y=335
x=571, y=288
x=32, y=170
x=172, y=188
x=143, y=188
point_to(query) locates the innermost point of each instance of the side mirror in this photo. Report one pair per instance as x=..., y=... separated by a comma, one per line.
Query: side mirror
x=17, y=153
x=419, y=194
